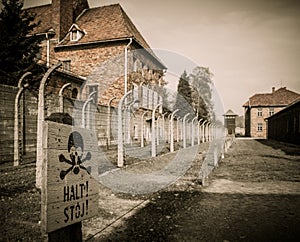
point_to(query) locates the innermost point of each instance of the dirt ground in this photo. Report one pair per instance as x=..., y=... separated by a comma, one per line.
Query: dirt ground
x=254, y=195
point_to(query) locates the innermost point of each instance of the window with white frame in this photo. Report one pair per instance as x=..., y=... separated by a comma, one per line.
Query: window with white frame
x=93, y=88
x=259, y=127
x=73, y=35
x=259, y=112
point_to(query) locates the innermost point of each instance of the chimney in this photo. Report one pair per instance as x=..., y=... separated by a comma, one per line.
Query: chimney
x=64, y=13
x=273, y=89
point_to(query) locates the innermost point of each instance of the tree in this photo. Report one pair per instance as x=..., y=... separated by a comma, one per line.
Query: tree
x=184, y=95
x=201, y=82
x=18, y=48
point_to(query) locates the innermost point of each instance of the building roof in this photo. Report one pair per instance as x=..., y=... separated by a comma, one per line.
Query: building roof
x=99, y=25
x=106, y=23
x=230, y=113
x=280, y=97
x=292, y=105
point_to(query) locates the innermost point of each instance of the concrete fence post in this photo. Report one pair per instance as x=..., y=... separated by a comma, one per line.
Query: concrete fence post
x=40, y=120
x=16, y=119
x=172, y=131
x=120, y=130
x=203, y=131
x=83, y=116
x=142, y=129
x=153, y=139
x=184, y=129
x=61, y=97
x=108, y=129
x=177, y=129
x=193, y=131
x=199, y=131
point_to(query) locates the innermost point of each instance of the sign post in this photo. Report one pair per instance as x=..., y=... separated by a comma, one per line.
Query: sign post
x=69, y=192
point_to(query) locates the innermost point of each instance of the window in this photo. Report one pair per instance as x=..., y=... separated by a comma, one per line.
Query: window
x=259, y=112
x=259, y=127
x=76, y=33
x=271, y=111
x=73, y=35
x=93, y=88
x=66, y=65
x=74, y=93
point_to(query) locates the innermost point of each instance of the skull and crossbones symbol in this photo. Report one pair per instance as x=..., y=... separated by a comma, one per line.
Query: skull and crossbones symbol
x=75, y=149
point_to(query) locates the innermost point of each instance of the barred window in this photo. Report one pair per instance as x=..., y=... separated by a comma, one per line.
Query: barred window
x=259, y=112
x=259, y=127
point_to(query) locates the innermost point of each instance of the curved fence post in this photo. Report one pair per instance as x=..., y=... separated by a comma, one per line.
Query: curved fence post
x=16, y=119
x=61, y=97
x=184, y=130
x=172, y=131
x=40, y=120
x=142, y=129
x=199, y=131
x=120, y=131
x=153, y=143
x=203, y=131
x=193, y=131
x=90, y=98
x=108, y=129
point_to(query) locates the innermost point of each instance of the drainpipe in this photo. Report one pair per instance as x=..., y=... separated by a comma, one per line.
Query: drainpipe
x=126, y=64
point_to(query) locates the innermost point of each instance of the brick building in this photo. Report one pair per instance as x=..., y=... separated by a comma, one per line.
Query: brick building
x=97, y=43
x=261, y=106
x=91, y=44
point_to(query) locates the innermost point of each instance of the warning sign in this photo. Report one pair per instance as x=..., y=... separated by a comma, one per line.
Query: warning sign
x=69, y=192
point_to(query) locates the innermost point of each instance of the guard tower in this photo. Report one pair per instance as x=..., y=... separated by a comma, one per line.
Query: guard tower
x=229, y=121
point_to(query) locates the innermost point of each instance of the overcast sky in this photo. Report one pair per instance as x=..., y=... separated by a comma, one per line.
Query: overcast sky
x=250, y=46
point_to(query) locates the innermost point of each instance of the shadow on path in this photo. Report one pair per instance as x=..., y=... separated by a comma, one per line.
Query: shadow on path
x=198, y=216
